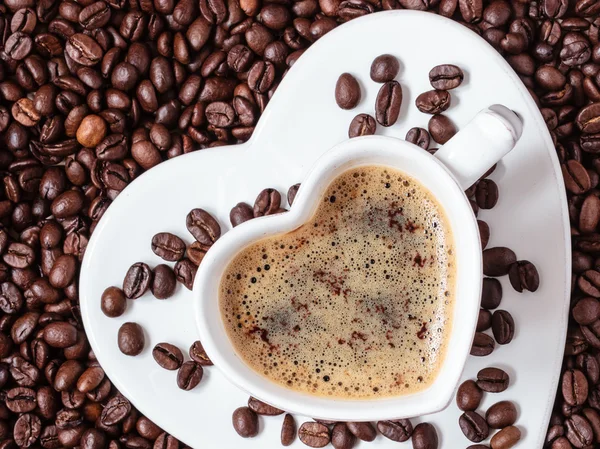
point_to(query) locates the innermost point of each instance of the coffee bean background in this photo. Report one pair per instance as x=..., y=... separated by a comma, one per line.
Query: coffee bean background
x=94, y=93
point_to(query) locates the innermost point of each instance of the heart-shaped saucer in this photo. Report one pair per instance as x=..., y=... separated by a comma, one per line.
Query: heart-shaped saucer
x=301, y=122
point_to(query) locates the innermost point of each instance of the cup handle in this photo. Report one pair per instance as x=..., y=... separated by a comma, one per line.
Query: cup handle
x=479, y=145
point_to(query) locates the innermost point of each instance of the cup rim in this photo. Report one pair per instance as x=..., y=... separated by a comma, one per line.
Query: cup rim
x=338, y=159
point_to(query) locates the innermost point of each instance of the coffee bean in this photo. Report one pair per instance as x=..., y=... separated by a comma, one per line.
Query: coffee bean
x=240, y=213
x=501, y=414
x=574, y=387
x=198, y=354
x=261, y=76
x=589, y=283
x=468, y=396
x=288, y=430
x=245, y=422
x=362, y=430
x=503, y=327
x=419, y=137
x=347, y=91
x=203, y=226
x=491, y=295
x=579, y=431
x=433, y=101
x=220, y=114
x=473, y=426
x=506, y=438
x=586, y=311
x=189, y=375
x=497, y=261
x=21, y=400
x=483, y=345
x=163, y=282
x=291, y=194
x=446, y=77
x=167, y=356
x=185, y=272
x=589, y=216
x=113, y=302
x=384, y=68
x=362, y=125
x=441, y=128
x=313, y=434
x=524, y=276
x=60, y=334
x=261, y=408
x=577, y=179
x=400, y=430
x=27, y=430
x=24, y=112
x=168, y=246
x=115, y=411
x=131, y=339
x=19, y=255
x=83, y=50
x=63, y=271
x=137, y=280
x=267, y=202
x=387, y=105
x=196, y=252
x=90, y=379
x=91, y=131
x=492, y=380
x=484, y=320
x=486, y=194
x=425, y=437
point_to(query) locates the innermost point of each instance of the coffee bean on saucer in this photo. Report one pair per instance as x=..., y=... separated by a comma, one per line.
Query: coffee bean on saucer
x=267, y=202
x=362, y=125
x=497, y=261
x=398, y=430
x=314, y=434
x=473, y=426
x=501, y=414
x=288, y=430
x=486, y=194
x=163, y=282
x=388, y=102
x=574, y=387
x=484, y=320
x=524, y=276
x=425, y=437
x=341, y=437
x=506, y=438
x=198, y=354
x=433, y=101
x=586, y=311
x=113, y=302
x=240, y=213
x=483, y=345
x=384, y=68
x=446, y=77
x=131, y=339
x=203, y=226
x=137, y=280
x=468, y=396
x=491, y=294
x=419, y=137
x=291, y=193
x=261, y=408
x=441, y=128
x=347, y=91
x=189, y=375
x=185, y=272
x=503, y=327
x=484, y=233
x=492, y=380
x=167, y=356
x=362, y=430
x=245, y=422
x=168, y=246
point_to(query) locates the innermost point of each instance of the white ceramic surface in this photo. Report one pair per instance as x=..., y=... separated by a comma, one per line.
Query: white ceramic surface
x=468, y=155
x=301, y=122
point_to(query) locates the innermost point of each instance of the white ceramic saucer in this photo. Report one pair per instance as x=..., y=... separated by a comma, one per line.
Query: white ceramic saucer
x=301, y=122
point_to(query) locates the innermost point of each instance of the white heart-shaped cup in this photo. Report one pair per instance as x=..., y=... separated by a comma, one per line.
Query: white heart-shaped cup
x=454, y=168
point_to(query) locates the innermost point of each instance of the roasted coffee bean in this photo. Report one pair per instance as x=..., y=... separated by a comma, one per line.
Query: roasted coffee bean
x=203, y=226
x=586, y=311
x=574, y=387
x=473, y=426
x=27, y=430
x=196, y=252
x=167, y=356
x=115, y=411
x=19, y=255
x=384, y=68
x=21, y=400
x=506, y=438
x=491, y=295
x=261, y=408
x=131, y=339
x=577, y=179
x=240, y=213
x=185, y=272
x=468, y=396
x=399, y=430
x=113, y=302
x=245, y=422
x=589, y=283
x=433, y=101
x=441, y=128
x=492, y=380
x=497, y=261
x=482, y=345
x=362, y=430
x=267, y=202
x=484, y=320
x=313, y=434
x=347, y=91
x=387, y=105
x=503, y=327
x=362, y=125
x=291, y=194
x=137, y=280
x=168, y=246
x=579, y=431
x=189, y=375
x=446, y=77
x=419, y=137
x=502, y=414
x=163, y=282
x=220, y=114
x=486, y=194
x=60, y=334
x=425, y=437
x=524, y=276
x=198, y=355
